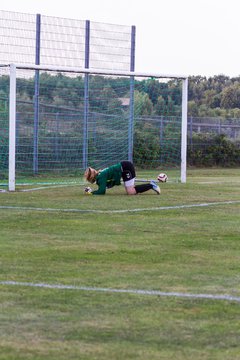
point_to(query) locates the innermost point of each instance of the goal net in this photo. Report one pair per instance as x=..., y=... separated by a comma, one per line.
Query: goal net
x=54, y=122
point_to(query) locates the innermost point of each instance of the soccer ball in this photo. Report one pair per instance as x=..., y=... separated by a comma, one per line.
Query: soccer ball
x=162, y=177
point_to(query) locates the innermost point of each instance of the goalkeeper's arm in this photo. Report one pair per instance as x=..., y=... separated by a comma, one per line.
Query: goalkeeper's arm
x=110, y=184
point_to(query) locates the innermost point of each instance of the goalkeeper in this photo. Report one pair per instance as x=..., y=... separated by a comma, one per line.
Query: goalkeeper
x=112, y=175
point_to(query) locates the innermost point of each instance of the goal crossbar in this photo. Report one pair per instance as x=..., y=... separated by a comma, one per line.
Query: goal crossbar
x=95, y=71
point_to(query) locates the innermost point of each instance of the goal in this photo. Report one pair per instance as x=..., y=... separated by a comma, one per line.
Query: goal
x=56, y=121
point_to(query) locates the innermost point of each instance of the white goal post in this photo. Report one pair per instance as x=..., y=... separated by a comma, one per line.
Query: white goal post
x=12, y=106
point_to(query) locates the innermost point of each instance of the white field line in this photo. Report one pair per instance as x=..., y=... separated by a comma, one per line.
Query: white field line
x=120, y=211
x=45, y=188
x=124, y=291
x=38, y=188
x=218, y=182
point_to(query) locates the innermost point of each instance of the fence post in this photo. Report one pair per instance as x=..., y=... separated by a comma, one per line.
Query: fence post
x=12, y=129
x=184, y=131
x=131, y=108
x=86, y=95
x=36, y=96
x=161, y=139
x=56, y=144
x=191, y=131
x=219, y=127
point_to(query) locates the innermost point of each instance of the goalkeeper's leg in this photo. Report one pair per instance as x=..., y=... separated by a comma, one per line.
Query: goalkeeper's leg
x=138, y=189
x=129, y=175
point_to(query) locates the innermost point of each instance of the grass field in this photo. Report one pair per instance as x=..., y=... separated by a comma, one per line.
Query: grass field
x=72, y=267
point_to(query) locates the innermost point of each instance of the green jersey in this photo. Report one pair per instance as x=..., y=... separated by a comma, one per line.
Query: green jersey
x=108, y=178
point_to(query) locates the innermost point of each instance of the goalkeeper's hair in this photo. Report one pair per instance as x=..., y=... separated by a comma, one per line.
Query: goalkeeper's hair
x=90, y=175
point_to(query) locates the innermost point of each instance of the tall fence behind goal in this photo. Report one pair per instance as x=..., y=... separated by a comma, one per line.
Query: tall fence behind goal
x=89, y=117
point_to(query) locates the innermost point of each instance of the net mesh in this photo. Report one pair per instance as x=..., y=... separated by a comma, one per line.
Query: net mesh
x=74, y=125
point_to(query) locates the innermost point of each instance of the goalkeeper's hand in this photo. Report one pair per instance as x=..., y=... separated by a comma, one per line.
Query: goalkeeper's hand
x=88, y=190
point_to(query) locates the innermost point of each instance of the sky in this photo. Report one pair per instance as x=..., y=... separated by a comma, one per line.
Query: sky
x=186, y=37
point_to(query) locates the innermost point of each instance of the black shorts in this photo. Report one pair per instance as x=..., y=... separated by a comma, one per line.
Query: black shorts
x=128, y=171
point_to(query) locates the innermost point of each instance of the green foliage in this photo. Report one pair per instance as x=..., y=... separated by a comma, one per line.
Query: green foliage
x=211, y=96
x=156, y=144
x=146, y=146
x=216, y=96
x=213, y=150
x=231, y=97
x=142, y=104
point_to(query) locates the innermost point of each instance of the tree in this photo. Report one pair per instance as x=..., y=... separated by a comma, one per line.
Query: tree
x=142, y=104
x=192, y=108
x=160, y=107
x=211, y=98
x=231, y=97
x=152, y=87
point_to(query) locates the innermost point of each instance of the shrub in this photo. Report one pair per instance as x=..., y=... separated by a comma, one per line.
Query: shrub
x=213, y=150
